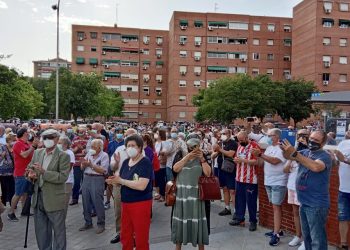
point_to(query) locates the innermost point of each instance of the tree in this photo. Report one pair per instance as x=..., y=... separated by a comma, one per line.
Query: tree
x=109, y=104
x=18, y=98
x=297, y=102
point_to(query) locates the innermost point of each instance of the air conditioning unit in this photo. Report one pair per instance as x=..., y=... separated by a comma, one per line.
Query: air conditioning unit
x=145, y=79
x=327, y=11
x=159, y=80
x=197, y=58
x=140, y=113
x=103, y=52
x=106, y=66
x=182, y=43
x=243, y=59
x=159, y=55
x=197, y=73
x=197, y=44
x=105, y=78
x=146, y=42
x=147, y=94
x=183, y=27
x=183, y=73
x=210, y=28
x=80, y=38
x=325, y=83
x=140, y=101
x=141, y=51
x=104, y=40
x=159, y=93
x=159, y=43
x=288, y=76
x=327, y=64
x=95, y=66
x=145, y=67
x=125, y=40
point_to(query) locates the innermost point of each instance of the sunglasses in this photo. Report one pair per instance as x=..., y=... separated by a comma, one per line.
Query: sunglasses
x=49, y=137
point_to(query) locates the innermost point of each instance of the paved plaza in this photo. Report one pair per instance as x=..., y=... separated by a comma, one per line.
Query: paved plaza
x=223, y=236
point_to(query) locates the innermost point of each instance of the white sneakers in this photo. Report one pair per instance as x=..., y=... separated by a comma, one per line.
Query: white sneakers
x=302, y=247
x=295, y=242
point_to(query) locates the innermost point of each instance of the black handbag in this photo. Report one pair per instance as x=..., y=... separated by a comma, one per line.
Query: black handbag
x=228, y=165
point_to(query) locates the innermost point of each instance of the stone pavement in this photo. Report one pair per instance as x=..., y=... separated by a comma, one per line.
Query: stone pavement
x=223, y=236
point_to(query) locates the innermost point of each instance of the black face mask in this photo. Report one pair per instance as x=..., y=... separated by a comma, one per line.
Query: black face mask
x=301, y=146
x=243, y=144
x=313, y=146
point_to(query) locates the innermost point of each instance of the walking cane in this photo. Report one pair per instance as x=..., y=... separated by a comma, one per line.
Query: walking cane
x=30, y=192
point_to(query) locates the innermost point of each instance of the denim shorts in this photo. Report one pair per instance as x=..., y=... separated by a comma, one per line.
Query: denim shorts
x=21, y=185
x=276, y=194
x=343, y=206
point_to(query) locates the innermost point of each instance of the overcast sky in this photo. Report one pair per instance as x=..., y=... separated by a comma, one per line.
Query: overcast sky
x=28, y=27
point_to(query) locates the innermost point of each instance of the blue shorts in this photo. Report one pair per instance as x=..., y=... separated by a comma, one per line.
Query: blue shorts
x=276, y=194
x=216, y=172
x=227, y=179
x=21, y=185
x=343, y=206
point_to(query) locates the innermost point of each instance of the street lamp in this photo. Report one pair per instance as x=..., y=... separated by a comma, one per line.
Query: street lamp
x=57, y=8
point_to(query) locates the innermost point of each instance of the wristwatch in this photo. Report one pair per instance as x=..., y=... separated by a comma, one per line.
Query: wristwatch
x=294, y=154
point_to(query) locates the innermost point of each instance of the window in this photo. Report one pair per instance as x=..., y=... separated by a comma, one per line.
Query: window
x=198, y=24
x=238, y=26
x=344, y=23
x=182, y=114
x=81, y=35
x=197, y=39
x=159, y=78
x=80, y=48
x=271, y=27
x=343, y=60
x=327, y=22
x=286, y=74
x=159, y=40
x=326, y=76
x=183, y=53
x=183, y=39
x=197, y=84
x=269, y=72
x=183, y=69
x=237, y=41
x=159, y=91
x=158, y=115
x=256, y=41
x=326, y=59
x=197, y=55
x=343, y=78
x=255, y=72
x=93, y=49
x=326, y=41
x=287, y=42
x=270, y=42
x=343, y=42
x=287, y=28
x=159, y=52
x=217, y=54
x=217, y=69
x=256, y=27
x=145, y=114
x=93, y=35
x=197, y=69
x=241, y=70
x=286, y=58
x=344, y=7
x=327, y=7
x=182, y=98
x=182, y=83
x=146, y=77
x=215, y=39
x=270, y=57
x=110, y=36
x=145, y=90
x=146, y=51
x=157, y=102
x=146, y=39
x=256, y=56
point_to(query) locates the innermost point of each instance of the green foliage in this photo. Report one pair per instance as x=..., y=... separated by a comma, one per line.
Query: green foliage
x=18, y=98
x=109, y=104
x=241, y=96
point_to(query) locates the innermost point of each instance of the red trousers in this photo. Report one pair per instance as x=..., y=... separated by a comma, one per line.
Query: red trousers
x=136, y=221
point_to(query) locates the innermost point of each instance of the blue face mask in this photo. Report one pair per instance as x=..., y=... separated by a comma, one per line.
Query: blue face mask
x=269, y=141
x=119, y=136
x=173, y=135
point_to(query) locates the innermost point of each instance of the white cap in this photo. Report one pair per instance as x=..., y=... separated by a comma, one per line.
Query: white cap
x=50, y=131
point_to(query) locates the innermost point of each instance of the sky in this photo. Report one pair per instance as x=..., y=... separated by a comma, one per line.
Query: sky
x=28, y=27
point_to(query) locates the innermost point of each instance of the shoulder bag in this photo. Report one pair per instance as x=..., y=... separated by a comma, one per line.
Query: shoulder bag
x=228, y=165
x=209, y=188
x=170, y=193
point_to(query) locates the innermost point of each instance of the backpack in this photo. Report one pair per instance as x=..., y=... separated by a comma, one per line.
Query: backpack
x=155, y=162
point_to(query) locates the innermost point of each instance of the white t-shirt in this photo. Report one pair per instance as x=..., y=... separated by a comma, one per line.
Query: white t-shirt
x=344, y=169
x=158, y=147
x=292, y=177
x=72, y=161
x=123, y=156
x=273, y=174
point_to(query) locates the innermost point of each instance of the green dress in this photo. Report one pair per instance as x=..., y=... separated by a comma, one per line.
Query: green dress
x=189, y=222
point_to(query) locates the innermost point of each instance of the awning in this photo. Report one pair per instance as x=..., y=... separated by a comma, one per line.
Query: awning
x=287, y=40
x=130, y=49
x=146, y=62
x=218, y=52
x=110, y=61
x=217, y=68
x=330, y=20
x=159, y=62
x=110, y=48
x=331, y=97
x=343, y=21
x=130, y=37
x=111, y=74
x=217, y=23
x=183, y=22
x=93, y=61
x=80, y=60
x=198, y=23
x=129, y=62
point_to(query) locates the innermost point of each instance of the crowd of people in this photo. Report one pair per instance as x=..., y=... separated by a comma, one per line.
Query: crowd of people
x=50, y=169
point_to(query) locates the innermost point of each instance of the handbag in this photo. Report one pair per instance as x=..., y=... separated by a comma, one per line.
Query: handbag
x=170, y=193
x=228, y=166
x=162, y=156
x=209, y=188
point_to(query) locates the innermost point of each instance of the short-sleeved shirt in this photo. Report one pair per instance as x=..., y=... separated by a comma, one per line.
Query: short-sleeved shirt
x=101, y=160
x=79, y=155
x=72, y=161
x=112, y=146
x=21, y=163
x=273, y=174
x=142, y=169
x=247, y=173
x=313, y=187
x=344, y=169
x=230, y=145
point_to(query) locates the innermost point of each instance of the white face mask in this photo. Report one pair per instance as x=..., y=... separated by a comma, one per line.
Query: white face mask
x=49, y=143
x=132, y=152
x=223, y=137
x=156, y=136
x=92, y=151
x=60, y=146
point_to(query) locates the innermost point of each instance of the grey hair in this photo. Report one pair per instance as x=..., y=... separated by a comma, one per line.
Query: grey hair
x=65, y=140
x=99, y=142
x=2, y=128
x=276, y=131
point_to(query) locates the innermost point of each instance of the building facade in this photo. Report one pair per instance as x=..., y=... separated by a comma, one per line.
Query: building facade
x=44, y=68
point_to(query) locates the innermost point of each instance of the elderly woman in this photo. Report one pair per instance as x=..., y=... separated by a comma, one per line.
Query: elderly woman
x=189, y=222
x=64, y=144
x=95, y=164
x=135, y=176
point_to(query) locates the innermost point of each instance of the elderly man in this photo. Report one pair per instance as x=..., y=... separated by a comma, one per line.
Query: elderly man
x=312, y=186
x=95, y=165
x=49, y=169
x=275, y=180
x=2, y=135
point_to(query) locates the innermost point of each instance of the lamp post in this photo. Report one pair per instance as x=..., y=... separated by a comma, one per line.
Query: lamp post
x=57, y=8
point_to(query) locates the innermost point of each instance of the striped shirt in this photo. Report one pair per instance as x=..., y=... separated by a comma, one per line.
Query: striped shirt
x=246, y=173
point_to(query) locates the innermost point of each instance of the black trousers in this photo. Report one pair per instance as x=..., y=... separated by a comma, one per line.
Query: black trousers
x=8, y=188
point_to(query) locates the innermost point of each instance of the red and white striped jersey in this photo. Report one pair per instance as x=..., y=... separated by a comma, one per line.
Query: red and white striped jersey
x=244, y=172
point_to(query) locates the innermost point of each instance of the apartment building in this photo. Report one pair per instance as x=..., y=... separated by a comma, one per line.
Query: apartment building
x=321, y=35
x=44, y=68
x=132, y=61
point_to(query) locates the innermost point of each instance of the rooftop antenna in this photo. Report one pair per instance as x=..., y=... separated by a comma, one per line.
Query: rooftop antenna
x=116, y=14
x=216, y=7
